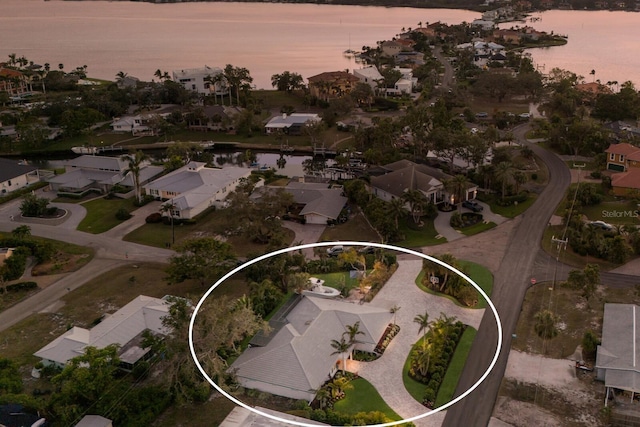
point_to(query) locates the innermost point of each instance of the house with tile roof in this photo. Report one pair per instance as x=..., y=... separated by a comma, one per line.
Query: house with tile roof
x=405, y=175
x=13, y=82
x=16, y=175
x=332, y=84
x=124, y=328
x=622, y=157
x=195, y=187
x=618, y=356
x=298, y=359
x=626, y=184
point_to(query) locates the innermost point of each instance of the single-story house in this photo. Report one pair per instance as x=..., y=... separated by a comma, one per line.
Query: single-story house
x=626, y=184
x=124, y=327
x=321, y=203
x=99, y=173
x=405, y=175
x=298, y=358
x=369, y=75
x=623, y=156
x=242, y=417
x=195, y=187
x=291, y=124
x=15, y=175
x=617, y=358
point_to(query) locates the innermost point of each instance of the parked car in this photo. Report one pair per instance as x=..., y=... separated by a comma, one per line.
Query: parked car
x=366, y=250
x=472, y=205
x=335, y=250
x=602, y=225
x=482, y=115
x=524, y=116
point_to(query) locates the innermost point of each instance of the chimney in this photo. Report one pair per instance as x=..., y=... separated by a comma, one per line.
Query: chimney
x=284, y=116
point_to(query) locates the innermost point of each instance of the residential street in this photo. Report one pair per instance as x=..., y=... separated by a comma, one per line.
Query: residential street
x=510, y=284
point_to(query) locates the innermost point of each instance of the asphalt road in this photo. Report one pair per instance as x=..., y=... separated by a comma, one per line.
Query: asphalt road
x=110, y=253
x=510, y=285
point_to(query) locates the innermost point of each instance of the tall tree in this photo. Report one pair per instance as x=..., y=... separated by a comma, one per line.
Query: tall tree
x=417, y=203
x=134, y=167
x=352, y=332
x=504, y=174
x=203, y=259
x=545, y=324
x=341, y=347
x=424, y=324
x=457, y=186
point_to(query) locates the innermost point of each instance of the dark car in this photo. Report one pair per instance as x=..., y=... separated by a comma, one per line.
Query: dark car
x=472, y=205
x=366, y=250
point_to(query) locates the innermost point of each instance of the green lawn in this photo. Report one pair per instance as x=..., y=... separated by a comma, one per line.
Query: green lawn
x=449, y=383
x=415, y=236
x=479, y=274
x=364, y=398
x=356, y=229
x=101, y=214
x=338, y=279
x=507, y=211
x=618, y=212
x=452, y=376
x=477, y=228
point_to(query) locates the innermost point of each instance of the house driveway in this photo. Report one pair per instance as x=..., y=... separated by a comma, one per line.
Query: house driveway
x=305, y=234
x=443, y=227
x=385, y=373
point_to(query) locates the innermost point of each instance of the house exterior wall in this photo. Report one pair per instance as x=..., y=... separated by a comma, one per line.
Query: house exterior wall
x=625, y=192
x=315, y=219
x=17, y=183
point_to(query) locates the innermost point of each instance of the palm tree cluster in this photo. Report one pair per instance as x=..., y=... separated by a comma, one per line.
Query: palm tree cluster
x=344, y=345
x=430, y=359
x=441, y=279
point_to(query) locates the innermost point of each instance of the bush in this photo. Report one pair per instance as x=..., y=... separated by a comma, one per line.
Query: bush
x=154, y=218
x=123, y=214
x=456, y=220
x=511, y=200
x=22, y=286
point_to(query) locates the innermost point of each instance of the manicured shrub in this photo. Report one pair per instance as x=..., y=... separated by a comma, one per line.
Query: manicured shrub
x=122, y=214
x=154, y=218
x=22, y=286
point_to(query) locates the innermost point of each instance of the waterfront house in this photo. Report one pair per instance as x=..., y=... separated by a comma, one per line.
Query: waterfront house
x=194, y=187
x=124, y=328
x=369, y=75
x=195, y=79
x=319, y=203
x=13, y=82
x=15, y=175
x=332, y=84
x=291, y=124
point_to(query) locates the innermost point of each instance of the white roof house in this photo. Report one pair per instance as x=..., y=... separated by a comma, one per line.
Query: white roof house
x=369, y=75
x=194, y=79
x=618, y=356
x=195, y=187
x=98, y=172
x=94, y=421
x=119, y=328
x=291, y=123
x=298, y=359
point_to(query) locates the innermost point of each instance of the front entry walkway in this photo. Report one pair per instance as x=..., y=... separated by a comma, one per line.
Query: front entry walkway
x=386, y=373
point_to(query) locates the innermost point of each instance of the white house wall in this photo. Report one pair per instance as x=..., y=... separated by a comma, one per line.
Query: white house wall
x=14, y=184
x=315, y=219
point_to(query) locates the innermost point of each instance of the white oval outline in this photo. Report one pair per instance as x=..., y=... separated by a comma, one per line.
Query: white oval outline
x=345, y=243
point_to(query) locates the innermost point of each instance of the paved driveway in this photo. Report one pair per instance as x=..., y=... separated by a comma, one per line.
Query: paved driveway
x=386, y=372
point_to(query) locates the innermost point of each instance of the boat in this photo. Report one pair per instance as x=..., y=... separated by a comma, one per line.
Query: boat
x=84, y=150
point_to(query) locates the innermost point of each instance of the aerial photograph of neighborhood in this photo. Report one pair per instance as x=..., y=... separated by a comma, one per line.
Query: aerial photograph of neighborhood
x=319, y=213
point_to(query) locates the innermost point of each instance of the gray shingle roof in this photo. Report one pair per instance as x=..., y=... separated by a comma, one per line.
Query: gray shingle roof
x=300, y=356
x=317, y=198
x=10, y=169
x=405, y=175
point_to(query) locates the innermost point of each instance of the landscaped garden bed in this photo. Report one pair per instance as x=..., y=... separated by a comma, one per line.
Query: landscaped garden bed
x=391, y=331
x=464, y=220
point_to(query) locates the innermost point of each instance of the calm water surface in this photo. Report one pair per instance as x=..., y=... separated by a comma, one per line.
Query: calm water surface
x=268, y=38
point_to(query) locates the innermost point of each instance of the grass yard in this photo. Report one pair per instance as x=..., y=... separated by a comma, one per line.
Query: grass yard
x=101, y=214
x=415, y=236
x=356, y=229
x=507, y=211
x=338, y=280
x=364, y=398
x=617, y=212
x=477, y=228
x=104, y=294
x=452, y=376
x=476, y=272
x=576, y=316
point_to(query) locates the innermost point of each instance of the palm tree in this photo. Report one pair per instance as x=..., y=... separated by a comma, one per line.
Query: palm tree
x=396, y=209
x=337, y=386
x=421, y=358
x=134, y=167
x=457, y=186
x=341, y=348
x=423, y=321
x=593, y=73
x=353, y=331
x=168, y=208
x=417, y=203
x=545, y=325
x=503, y=173
x=520, y=178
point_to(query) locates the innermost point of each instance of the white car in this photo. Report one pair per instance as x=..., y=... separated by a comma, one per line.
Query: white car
x=602, y=225
x=335, y=250
x=524, y=115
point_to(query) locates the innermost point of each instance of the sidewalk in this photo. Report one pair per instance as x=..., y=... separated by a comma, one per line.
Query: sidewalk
x=136, y=221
